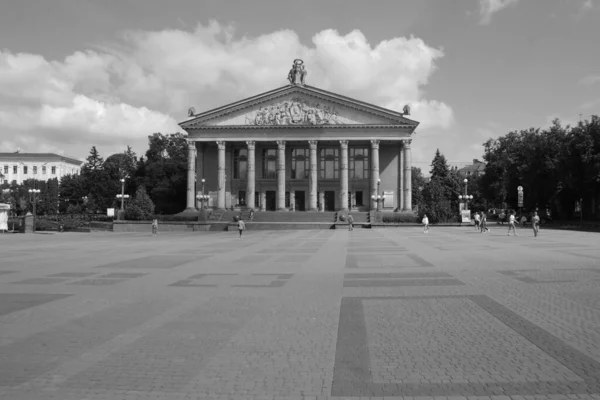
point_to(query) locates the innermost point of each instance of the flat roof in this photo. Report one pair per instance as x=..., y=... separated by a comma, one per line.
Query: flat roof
x=39, y=157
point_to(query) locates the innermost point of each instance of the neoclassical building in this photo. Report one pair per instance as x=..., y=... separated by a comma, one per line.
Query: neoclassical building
x=299, y=148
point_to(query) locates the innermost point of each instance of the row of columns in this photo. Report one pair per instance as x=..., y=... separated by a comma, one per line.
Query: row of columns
x=312, y=203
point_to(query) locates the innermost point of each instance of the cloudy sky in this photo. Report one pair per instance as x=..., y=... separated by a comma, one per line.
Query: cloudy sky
x=77, y=73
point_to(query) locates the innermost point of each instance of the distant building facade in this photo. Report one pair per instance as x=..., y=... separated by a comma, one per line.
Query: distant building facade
x=300, y=148
x=41, y=166
x=475, y=169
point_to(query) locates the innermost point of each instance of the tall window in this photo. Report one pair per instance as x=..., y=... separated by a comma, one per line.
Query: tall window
x=24, y=169
x=15, y=169
x=43, y=170
x=35, y=169
x=53, y=170
x=300, y=163
x=6, y=169
x=329, y=159
x=359, y=163
x=240, y=164
x=269, y=163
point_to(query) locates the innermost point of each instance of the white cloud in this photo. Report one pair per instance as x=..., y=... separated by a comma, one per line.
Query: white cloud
x=122, y=92
x=587, y=6
x=489, y=7
x=590, y=80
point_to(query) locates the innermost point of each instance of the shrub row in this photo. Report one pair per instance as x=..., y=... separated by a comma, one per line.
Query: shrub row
x=396, y=218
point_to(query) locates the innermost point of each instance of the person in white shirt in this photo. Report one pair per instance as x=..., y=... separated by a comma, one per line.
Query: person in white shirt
x=511, y=224
x=477, y=220
x=425, y=222
x=535, y=223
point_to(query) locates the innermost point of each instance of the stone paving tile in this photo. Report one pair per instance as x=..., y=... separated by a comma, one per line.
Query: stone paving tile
x=401, y=282
x=274, y=336
x=34, y=355
x=11, y=302
x=170, y=356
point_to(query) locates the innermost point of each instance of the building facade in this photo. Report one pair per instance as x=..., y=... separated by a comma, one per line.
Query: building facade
x=475, y=169
x=41, y=166
x=299, y=148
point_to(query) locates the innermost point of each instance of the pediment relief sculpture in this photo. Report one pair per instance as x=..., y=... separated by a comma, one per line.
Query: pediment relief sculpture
x=296, y=111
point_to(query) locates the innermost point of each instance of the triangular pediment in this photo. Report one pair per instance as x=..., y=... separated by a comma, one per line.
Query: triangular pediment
x=297, y=106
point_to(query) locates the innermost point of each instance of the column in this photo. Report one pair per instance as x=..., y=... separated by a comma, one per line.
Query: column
x=292, y=200
x=313, y=177
x=374, y=170
x=400, y=177
x=407, y=176
x=343, y=175
x=221, y=176
x=251, y=185
x=191, y=177
x=281, y=175
x=263, y=200
x=322, y=201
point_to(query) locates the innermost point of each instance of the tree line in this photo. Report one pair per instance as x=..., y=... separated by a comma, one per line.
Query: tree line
x=161, y=173
x=557, y=167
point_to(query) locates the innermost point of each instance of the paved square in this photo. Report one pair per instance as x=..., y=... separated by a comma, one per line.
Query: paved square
x=301, y=315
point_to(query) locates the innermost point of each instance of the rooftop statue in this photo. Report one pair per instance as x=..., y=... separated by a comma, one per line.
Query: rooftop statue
x=406, y=110
x=297, y=73
x=191, y=112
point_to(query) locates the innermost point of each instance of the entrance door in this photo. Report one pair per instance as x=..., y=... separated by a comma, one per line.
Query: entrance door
x=329, y=200
x=300, y=200
x=271, y=196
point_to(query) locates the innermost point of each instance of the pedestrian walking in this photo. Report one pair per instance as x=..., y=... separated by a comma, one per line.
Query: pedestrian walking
x=425, y=222
x=535, y=223
x=511, y=223
x=477, y=219
x=484, y=227
x=154, y=227
x=350, y=222
x=241, y=226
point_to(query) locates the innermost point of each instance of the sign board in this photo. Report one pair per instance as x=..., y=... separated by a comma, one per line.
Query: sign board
x=520, y=198
x=388, y=199
x=465, y=215
x=110, y=212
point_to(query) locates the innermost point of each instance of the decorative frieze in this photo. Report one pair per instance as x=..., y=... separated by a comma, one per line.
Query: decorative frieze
x=297, y=111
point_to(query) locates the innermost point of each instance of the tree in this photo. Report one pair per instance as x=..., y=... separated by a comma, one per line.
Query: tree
x=140, y=207
x=164, y=172
x=418, y=183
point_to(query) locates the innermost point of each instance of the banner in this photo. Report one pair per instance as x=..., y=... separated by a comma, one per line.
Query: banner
x=465, y=215
x=520, y=198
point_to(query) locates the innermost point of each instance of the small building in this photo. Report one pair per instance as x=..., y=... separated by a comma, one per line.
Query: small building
x=475, y=169
x=41, y=166
x=300, y=148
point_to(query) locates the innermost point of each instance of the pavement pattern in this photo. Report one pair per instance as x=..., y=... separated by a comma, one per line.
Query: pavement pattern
x=314, y=315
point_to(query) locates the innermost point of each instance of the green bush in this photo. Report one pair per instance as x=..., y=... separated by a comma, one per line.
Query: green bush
x=398, y=218
x=43, y=224
x=192, y=218
x=141, y=207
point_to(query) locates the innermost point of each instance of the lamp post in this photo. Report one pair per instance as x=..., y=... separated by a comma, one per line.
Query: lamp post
x=34, y=192
x=377, y=197
x=122, y=196
x=203, y=181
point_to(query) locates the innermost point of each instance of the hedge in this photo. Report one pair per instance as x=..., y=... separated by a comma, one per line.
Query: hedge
x=399, y=218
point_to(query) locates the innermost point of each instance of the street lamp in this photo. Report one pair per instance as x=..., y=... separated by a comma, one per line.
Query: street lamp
x=202, y=194
x=202, y=198
x=33, y=192
x=378, y=198
x=122, y=196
